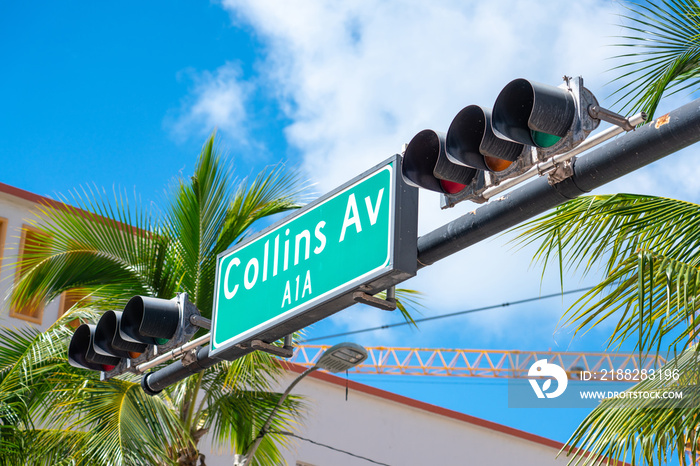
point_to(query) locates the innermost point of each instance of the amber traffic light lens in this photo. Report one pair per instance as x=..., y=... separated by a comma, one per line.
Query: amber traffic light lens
x=496, y=164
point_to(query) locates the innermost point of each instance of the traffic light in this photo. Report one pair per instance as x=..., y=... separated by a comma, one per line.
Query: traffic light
x=529, y=123
x=472, y=142
x=425, y=165
x=151, y=321
x=82, y=352
x=145, y=328
x=109, y=339
x=534, y=114
x=551, y=119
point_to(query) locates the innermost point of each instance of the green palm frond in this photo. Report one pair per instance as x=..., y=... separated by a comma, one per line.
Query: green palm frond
x=643, y=427
x=665, y=42
x=273, y=191
x=197, y=215
x=211, y=210
x=126, y=423
x=39, y=447
x=653, y=297
x=242, y=372
x=13, y=345
x=236, y=417
x=649, y=251
x=240, y=375
x=97, y=251
x=96, y=422
x=27, y=359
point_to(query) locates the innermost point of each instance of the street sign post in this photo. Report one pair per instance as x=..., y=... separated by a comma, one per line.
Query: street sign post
x=360, y=237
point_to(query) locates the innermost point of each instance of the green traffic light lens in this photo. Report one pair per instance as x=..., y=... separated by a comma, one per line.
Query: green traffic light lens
x=544, y=139
x=161, y=341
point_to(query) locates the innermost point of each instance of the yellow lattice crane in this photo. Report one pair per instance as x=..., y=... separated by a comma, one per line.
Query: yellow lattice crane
x=485, y=363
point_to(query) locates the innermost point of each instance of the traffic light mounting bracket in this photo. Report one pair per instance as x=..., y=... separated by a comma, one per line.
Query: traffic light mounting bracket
x=560, y=171
x=388, y=304
x=286, y=351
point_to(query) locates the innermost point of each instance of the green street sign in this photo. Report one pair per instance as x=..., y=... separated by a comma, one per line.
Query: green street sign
x=361, y=236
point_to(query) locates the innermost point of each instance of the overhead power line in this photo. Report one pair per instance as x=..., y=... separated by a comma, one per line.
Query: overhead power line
x=452, y=314
x=291, y=434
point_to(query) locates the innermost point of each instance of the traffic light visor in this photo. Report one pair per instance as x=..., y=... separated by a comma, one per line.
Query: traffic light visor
x=532, y=113
x=152, y=321
x=108, y=339
x=425, y=165
x=471, y=141
x=82, y=354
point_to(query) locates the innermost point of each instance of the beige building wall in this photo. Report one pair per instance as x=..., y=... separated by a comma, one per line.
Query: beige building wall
x=391, y=429
x=17, y=209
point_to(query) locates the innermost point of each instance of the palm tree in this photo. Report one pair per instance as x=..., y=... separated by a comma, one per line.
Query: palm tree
x=52, y=413
x=664, y=38
x=648, y=250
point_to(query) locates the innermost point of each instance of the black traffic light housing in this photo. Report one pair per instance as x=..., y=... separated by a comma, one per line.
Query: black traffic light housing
x=529, y=123
x=471, y=142
x=108, y=337
x=152, y=321
x=551, y=119
x=121, y=340
x=535, y=114
x=426, y=165
x=83, y=353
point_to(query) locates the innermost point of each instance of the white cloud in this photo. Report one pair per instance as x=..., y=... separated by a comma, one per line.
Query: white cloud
x=358, y=79
x=217, y=100
x=362, y=78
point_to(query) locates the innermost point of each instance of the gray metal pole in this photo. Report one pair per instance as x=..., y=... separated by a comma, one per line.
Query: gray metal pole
x=661, y=137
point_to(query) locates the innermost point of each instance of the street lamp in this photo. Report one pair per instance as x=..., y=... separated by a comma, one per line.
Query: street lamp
x=338, y=358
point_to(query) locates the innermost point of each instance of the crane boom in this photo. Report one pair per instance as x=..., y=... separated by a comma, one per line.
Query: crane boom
x=482, y=363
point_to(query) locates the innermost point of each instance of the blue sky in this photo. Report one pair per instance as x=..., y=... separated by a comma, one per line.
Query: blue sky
x=124, y=95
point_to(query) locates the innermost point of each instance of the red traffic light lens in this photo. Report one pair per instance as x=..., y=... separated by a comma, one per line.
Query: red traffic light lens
x=450, y=187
